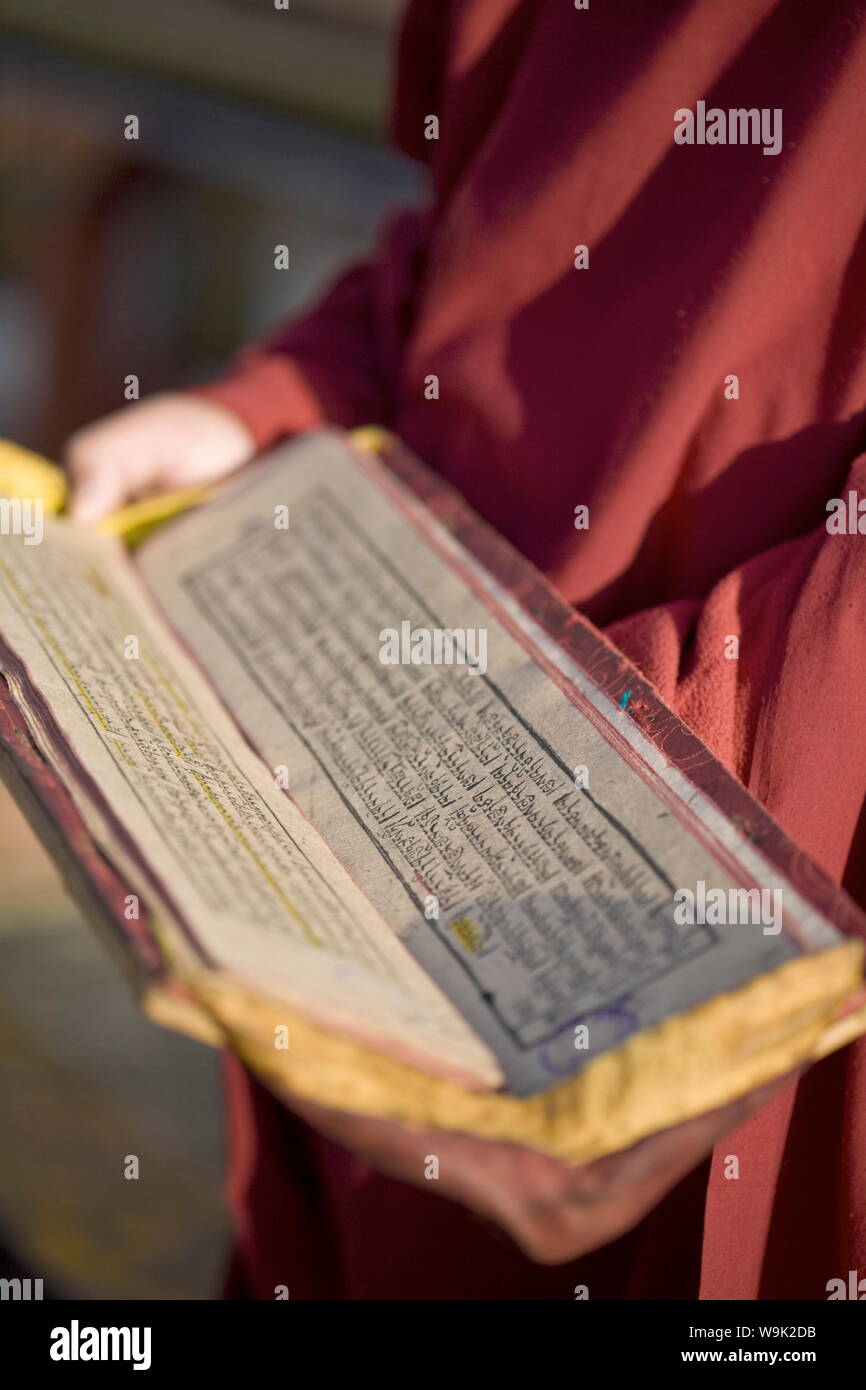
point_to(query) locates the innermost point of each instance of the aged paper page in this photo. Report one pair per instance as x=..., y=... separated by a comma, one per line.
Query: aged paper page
x=449, y=792
x=259, y=892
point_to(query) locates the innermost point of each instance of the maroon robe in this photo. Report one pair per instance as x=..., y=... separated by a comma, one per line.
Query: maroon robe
x=610, y=386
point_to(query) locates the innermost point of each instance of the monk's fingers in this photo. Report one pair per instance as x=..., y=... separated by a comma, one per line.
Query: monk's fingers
x=679, y=1149
x=553, y=1211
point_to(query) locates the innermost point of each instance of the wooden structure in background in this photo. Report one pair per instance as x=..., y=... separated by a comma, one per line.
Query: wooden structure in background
x=324, y=60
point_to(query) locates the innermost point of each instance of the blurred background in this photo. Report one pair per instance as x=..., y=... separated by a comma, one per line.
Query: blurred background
x=258, y=126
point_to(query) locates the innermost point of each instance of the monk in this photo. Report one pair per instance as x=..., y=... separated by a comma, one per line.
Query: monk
x=638, y=286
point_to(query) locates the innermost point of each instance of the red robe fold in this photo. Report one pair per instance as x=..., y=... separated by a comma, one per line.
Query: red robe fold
x=610, y=386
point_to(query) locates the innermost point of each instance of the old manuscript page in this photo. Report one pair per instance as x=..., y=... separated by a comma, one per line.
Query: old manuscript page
x=528, y=867
x=171, y=791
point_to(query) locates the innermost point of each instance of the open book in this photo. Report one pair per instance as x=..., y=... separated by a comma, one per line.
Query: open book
x=354, y=791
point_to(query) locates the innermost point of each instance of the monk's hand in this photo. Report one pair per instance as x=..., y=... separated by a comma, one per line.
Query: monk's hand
x=157, y=445
x=553, y=1211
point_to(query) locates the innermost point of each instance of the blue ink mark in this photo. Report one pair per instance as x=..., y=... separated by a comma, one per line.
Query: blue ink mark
x=623, y=704
x=608, y=1028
